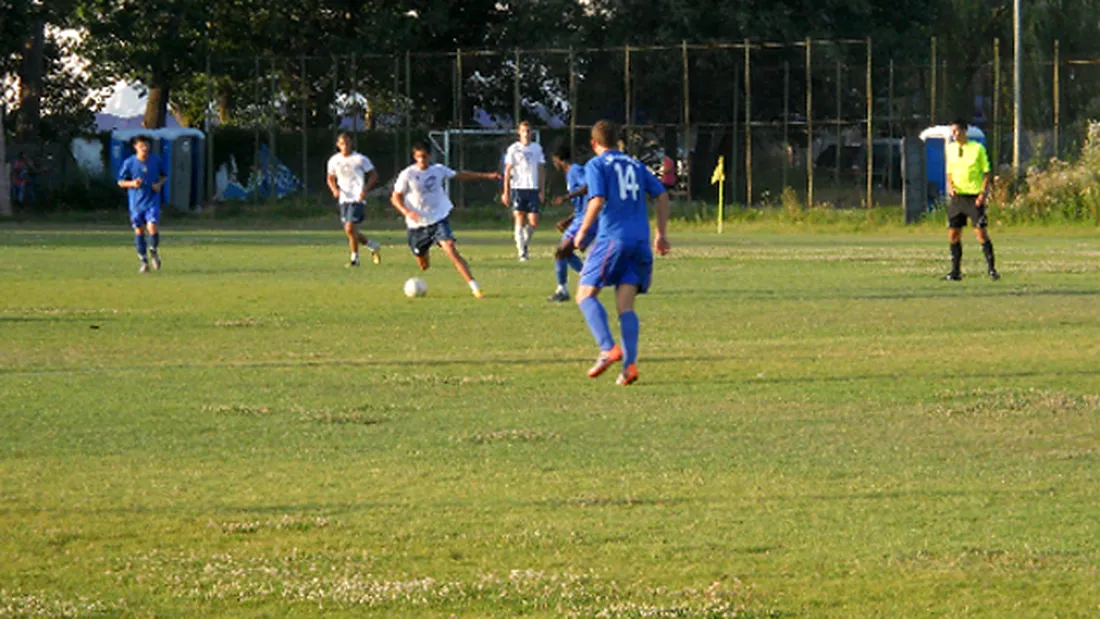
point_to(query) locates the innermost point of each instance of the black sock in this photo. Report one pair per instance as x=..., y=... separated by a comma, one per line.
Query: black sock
x=956, y=257
x=987, y=249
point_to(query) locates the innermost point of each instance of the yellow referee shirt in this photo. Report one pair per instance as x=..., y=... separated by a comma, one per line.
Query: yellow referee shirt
x=967, y=164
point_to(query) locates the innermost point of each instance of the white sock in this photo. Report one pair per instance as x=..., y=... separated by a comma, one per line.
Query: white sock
x=372, y=245
x=521, y=240
x=562, y=289
x=474, y=286
x=354, y=256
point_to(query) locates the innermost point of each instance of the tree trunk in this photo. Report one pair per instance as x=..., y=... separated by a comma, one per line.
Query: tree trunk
x=156, y=106
x=30, y=84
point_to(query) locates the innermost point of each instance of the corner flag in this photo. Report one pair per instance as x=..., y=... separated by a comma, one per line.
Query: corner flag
x=719, y=175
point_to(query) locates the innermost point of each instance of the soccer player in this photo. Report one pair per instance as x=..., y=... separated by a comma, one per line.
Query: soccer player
x=524, y=186
x=620, y=256
x=564, y=255
x=143, y=175
x=968, y=183
x=350, y=176
x=420, y=196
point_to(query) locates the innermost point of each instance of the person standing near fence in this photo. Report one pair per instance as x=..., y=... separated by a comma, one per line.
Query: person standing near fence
x=350, y=176
x=524, y=186
x=969, y=179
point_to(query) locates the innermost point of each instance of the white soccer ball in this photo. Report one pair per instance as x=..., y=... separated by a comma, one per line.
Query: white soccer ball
x=415, y=287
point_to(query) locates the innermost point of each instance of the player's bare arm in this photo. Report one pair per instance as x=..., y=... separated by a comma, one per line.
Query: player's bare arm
x=595, y=205
x=950, y=187
x=660, y=239
x=332, y=186
x=581, y=191
x=465, y=175
x=507, y=185
x=134, y=184
x=397, y=199
x=160, y=183
x=372, y=180
x=542, y=183
x=987, y=184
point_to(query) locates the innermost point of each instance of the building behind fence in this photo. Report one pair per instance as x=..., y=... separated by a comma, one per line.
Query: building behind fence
x=791, y=115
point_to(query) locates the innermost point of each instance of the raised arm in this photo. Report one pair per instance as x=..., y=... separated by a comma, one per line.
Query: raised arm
x=466, y=175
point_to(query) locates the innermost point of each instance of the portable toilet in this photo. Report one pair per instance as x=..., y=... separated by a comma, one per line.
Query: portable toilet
x=936, y=139
x=182, y=151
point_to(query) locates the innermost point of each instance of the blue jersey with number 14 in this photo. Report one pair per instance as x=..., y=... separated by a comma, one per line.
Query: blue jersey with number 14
x=623, y=182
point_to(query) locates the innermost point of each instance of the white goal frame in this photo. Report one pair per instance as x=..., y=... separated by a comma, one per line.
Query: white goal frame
x=444, y=140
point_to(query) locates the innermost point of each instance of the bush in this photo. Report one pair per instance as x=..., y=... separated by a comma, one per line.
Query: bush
x=1062, y=192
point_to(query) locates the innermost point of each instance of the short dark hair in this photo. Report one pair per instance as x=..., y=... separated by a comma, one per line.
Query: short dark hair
x=961, y=122
x=564, y=153
x=606, y=133
x=421, y=146
x=141, y=138
x=344, y=135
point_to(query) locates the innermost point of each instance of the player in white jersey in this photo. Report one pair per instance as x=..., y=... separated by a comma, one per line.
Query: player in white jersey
x=350, y=176
x=420, y=196
x=524, y=186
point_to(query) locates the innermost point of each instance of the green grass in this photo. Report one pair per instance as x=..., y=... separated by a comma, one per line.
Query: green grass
x=822, y=428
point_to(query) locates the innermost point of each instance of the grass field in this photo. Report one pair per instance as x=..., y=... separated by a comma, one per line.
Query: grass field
x=822, y=428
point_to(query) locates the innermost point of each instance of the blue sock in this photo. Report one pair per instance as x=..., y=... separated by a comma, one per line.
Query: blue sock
x=561, y=269
x=139, y=244
x=154, y=241
x=596, y=317
x=576, y=263
x=630, y=326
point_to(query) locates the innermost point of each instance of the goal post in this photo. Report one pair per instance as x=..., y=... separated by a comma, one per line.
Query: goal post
x=480, y=150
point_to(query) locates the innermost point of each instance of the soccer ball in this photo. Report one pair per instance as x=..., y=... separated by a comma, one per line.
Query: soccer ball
x=415, y=287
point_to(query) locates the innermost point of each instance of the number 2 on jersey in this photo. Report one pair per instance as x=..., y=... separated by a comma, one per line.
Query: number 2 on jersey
x=628, y=182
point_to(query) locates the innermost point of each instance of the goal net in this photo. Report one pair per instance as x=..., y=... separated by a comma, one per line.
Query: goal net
x=478, y=150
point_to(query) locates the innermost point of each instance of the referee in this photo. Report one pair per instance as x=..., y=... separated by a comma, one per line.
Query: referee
x=968, y=183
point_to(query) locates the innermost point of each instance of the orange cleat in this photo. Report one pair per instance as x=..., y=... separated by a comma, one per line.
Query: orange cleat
x=629, y=375
x=605, y=360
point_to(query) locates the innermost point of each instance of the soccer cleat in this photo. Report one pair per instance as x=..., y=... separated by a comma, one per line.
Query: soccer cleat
x=629, y=375
x=351, y=264
x=559, y=297
x=952, y=277
x=478, y=294
x=604, y=361
x=154, y=261
x=375, y=253
x=994, y=275
x=144, y=268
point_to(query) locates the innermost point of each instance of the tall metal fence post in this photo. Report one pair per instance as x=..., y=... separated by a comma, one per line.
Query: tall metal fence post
x=5, y=189
x=1057, y=100
x=272, y=130
x=459, y=124
x=515, y=91
x=211, y=190
x=786, y=121
x=256, y=122
x=748, y=125
x=932, y=82
x=870, y=131
x=838, y=146
x=735, y=138
x=996, y=150
x=809, y=124
x=890, y=127
x=335, y=97
x=397, y=159
x=626, y=89
x=685, y=116
x=409, y=107
x=305, y=127
x=353, y=99
x=572, y=105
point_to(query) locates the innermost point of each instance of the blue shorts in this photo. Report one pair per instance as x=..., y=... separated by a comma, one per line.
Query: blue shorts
x=352, y=212
x=611, y=262
x=139, y=218
x=422, y=239
x=571, y=233
x=525, y=200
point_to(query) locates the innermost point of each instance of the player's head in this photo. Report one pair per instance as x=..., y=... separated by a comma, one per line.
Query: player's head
x=605, y=136
x=563, y=157
x=958, y=130
x=141, y=146
x=524, y=131
x=422, y=155
x=343, y=143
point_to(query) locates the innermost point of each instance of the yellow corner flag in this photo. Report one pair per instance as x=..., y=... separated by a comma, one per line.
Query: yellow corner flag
x=719, y=175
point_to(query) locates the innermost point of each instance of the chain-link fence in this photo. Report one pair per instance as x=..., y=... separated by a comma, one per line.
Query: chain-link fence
x=816, y=120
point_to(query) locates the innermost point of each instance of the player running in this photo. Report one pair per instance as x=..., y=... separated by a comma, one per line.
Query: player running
x=577, y=190
x=350, y=177
x=620, y=256
x=524, y=186
x=143, y=175
x=420, y=196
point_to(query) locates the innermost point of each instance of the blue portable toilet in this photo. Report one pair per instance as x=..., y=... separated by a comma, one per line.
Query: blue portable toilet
x=182, y=151
x=936, y=140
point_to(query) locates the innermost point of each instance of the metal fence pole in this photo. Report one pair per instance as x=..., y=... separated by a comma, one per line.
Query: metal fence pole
x=1057, y=100
x=735, y=138
x=211, y=190
x=838, y=146
x=626, y=90
x=890, y=127
x=256, y=123
x=396, y=97
x=353, y=98
x=748, y=125
x=305, y=129
x=996, y=104
x=408, y=102
x=271, y=133
x=786, y=120
x=870, y=131
x=932, y=81
x=686, y=115
x=572, y=105
x=809, y=124
x=459, y=123
x=515, y=91
x=335, y=97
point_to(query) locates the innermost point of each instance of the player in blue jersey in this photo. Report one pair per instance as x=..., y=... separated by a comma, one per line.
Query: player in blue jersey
x=143, y=175
x=620, y=256
x=577, y=190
